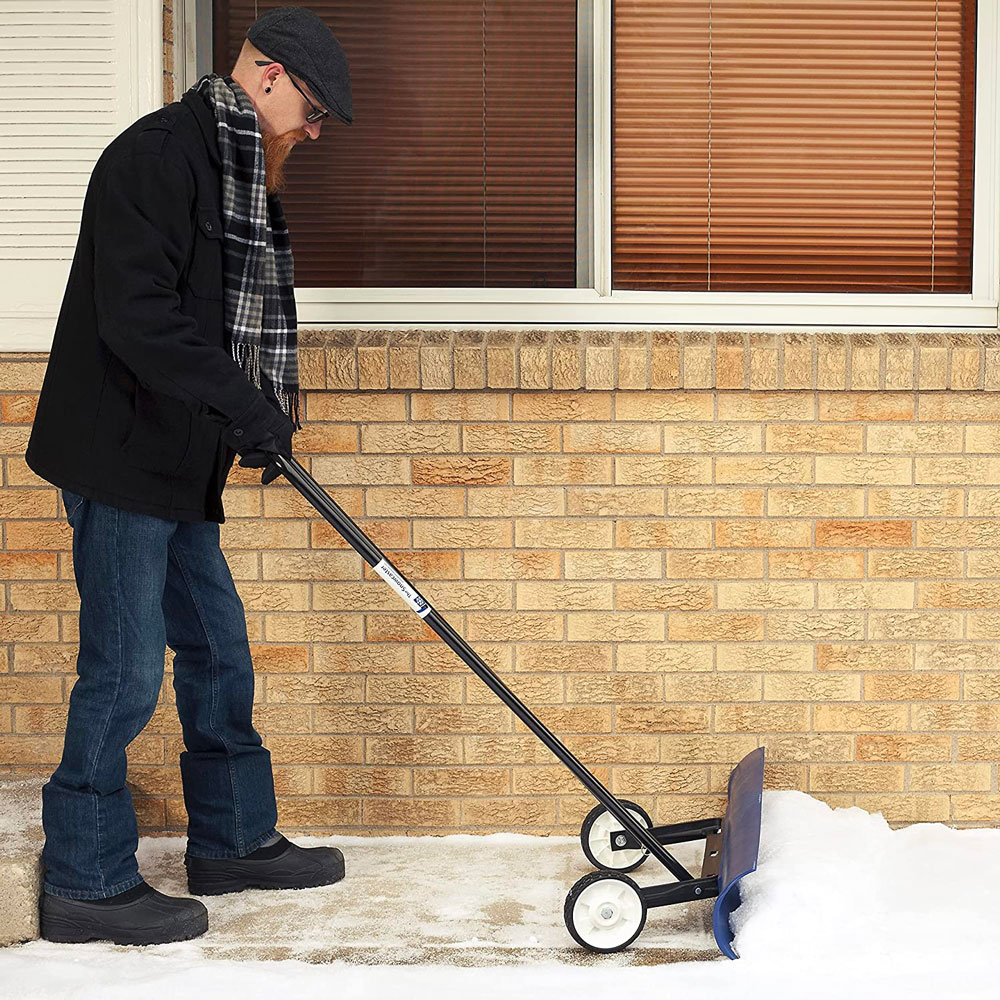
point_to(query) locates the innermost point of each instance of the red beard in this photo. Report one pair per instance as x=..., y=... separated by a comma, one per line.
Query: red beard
x=276, y=150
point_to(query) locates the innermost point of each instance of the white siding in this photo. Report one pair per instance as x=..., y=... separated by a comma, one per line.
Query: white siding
x=73, y=75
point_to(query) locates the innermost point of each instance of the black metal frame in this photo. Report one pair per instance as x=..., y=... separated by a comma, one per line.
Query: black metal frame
x=688, y=887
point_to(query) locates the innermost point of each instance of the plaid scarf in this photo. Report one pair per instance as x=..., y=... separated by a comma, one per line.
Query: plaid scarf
x=258, y=277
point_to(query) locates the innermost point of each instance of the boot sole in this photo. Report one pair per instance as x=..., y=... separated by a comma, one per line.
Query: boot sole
x=66, y=930
x=219, y=883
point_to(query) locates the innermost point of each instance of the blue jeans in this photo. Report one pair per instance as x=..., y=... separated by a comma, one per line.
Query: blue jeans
x=146, y=583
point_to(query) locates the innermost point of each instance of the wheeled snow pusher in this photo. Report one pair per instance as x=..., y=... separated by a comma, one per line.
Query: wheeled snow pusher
x=606, y=910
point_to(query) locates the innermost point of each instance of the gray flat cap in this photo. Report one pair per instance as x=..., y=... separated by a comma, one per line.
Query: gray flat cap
x=305, y=46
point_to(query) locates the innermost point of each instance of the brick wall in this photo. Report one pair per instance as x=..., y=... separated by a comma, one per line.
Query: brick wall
x=673, y=547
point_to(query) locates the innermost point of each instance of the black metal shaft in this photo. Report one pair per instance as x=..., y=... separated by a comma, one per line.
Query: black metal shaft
x=366, y=548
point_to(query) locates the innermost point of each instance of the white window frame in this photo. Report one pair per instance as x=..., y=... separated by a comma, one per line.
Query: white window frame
x=601, y=307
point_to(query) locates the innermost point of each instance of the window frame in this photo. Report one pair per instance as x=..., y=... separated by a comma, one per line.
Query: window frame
x=599, y=306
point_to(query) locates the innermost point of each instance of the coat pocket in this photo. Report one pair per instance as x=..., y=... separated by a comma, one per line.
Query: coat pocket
x=205, y=273
x=160, y=435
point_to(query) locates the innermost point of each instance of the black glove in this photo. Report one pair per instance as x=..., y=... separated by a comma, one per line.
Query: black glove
x=261, y=455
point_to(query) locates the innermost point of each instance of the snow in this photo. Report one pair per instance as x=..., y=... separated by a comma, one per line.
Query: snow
x=841, y=904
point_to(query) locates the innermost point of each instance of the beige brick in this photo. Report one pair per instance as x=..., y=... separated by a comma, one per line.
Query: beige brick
x=766, y=594
x=563, y=719
x=663, y=596
x=464, y=781
x=562, y=406
x=662, y=719
x=563, y=533
x=317, y=627
x=874, y=470
x=357, y=407
x=563, y=596
x=711, y=438
x=516, y=501
x=805, y=625
x=521, y=565
x=424, y=750
x=879, y=747
x=761, y=718
x=951, y=470
x=664, y=406
x=663, y=534
x=319, y=812
x=823, y=438
x=411, y=438
x=958, y=594
x=864, y=534
x=402, y=627
x=28, y=565
x=976, y=809
x=856, y=778
x=562, y=469
x=812, y=687
x=614, y=438
x=43, y=597
x=812, y=565
x=766, y=470
x=508, y=814
x=725, y=502
x=510, y=437
x=918, y=502
x=315, y=689
x=911, y=687
x=715, y=565
x=462, y=719
x=752, y=534
x=859, y=718
x=463, y=533
x=21, y=627
x=414, y=501
x=614, y=688
x=768, y=657
x=614, y=626
x=921, y=625
x=906, y=808
x=414, y=690
x=865, y=595
x=514, y=628
x=642, y=659
x=348, y=781
x=648, y=470
x=366, y=720
x=937, y=718
x=551, y=780
x=902, y=564
x=711, y=627
x=597, y=565
x=472, y=470
x=615, y=501
x=564, y=658
x=461, y=406
x=653, y=780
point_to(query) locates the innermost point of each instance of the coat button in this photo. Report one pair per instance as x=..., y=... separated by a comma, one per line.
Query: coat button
x=238, y=432
x=208, y=226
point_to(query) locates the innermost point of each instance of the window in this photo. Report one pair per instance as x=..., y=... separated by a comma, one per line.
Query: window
x=677, y=162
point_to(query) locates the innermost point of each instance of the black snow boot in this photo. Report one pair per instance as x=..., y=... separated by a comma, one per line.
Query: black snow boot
x=140, y=915
x=282, y=865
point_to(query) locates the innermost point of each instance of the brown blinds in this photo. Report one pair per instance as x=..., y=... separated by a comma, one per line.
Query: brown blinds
x=766, y=145
x=460, y=167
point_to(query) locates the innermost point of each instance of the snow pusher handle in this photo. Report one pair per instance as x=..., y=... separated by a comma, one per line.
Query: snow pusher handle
x=370, y=552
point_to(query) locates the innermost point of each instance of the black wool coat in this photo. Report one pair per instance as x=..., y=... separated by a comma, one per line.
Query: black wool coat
x=142, y=406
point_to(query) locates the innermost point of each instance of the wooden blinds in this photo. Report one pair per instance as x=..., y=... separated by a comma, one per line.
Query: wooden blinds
x=460, y=167
x=770, y=145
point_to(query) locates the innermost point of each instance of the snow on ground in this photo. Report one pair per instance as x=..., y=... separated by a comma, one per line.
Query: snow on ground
x=840, y=905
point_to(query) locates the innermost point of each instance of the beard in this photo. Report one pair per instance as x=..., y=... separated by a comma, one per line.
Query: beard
x=276, y=151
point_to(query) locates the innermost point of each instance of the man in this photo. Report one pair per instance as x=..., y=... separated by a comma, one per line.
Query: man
x=174, y=350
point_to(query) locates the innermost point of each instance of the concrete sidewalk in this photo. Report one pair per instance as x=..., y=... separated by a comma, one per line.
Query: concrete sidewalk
x=457, y=900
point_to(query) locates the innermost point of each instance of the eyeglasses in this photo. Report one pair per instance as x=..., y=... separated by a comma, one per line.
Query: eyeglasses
x=317, y=114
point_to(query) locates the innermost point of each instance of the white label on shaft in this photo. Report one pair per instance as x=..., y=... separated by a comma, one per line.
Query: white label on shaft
x=399, y=583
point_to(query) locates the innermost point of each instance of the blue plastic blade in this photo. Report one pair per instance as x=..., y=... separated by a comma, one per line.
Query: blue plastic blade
x=740, y=842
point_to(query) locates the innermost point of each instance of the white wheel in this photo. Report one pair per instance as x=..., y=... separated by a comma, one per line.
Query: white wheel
x=604, y=912
x=595, y=839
